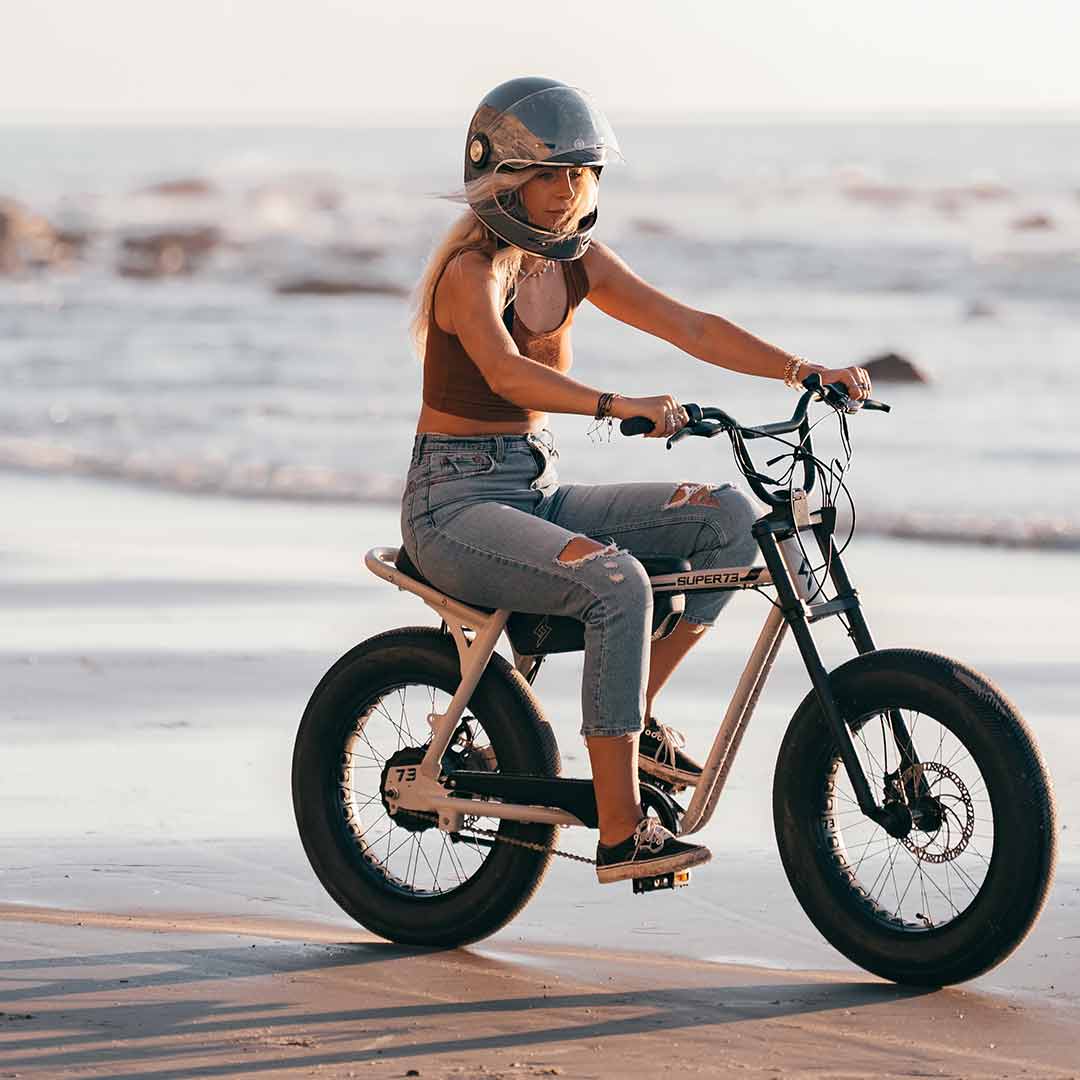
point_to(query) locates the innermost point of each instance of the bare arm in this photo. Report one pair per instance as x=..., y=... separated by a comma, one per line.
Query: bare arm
x=620, y=293
x=474, y=303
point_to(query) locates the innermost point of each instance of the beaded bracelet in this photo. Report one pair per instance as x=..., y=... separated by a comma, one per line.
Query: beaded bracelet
x=603, y=406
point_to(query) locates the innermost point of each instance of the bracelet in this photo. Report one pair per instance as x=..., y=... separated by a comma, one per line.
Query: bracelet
x=603, y=406
x=791, y=372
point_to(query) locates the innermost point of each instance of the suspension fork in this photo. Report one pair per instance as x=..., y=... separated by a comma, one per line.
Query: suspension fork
x=859, y=632
x=796, y=613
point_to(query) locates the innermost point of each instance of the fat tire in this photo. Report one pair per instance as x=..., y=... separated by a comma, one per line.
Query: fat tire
x=524, y=743
x=1018, y=785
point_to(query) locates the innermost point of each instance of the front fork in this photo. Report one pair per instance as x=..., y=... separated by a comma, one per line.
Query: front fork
x=775, y=535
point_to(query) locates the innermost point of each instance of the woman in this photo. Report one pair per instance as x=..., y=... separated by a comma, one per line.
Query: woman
x=484, y=516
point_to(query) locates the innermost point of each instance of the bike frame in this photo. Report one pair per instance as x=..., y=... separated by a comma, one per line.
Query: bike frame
x=476, y=633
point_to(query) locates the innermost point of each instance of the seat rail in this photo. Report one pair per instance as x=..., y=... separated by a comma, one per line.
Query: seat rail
x=380, y=561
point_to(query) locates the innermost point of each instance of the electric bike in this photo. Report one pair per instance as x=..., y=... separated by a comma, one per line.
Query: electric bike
x=912, y=808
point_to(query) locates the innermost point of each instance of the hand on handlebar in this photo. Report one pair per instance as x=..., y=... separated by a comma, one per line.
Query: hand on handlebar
x=856, y=380
x=664, y=412
x=836, y=394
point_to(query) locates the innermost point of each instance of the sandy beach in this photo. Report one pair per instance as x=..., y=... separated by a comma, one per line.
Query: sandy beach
x=159, y=917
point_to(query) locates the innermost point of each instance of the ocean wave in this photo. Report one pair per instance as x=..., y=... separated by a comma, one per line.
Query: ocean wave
x=249, y=480
x=1044, y=534
x=307, y=483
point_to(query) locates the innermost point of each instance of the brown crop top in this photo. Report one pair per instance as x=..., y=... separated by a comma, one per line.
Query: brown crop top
x=453, y=383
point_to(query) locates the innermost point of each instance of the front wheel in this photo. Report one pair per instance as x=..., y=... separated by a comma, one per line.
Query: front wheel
x=955, y=895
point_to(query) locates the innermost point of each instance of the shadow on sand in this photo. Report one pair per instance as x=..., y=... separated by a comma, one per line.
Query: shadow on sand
x=144, y=1021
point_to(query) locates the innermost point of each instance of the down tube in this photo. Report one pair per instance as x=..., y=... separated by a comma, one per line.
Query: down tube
x=722, y=755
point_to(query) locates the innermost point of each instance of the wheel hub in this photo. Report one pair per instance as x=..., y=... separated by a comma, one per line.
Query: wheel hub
x=400, y=768
x=936, y=826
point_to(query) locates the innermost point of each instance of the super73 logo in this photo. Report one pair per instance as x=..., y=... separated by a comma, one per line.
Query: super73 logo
x=719, y=577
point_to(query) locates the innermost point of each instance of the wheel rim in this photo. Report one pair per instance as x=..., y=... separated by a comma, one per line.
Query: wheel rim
x=422, y=863
x=931, y=877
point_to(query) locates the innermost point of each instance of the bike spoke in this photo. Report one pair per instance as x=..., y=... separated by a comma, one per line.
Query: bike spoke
x=414, y=859
x=947, y=897
x=966, y=879
x=914, y=874
x=448, y=847
x=948, y=864
x=434, y=872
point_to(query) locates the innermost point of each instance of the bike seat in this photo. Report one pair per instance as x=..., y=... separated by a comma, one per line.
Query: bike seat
x=538, y=635
x=407, y=566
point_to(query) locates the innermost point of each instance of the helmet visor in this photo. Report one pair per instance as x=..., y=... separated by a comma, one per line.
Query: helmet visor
x=558, y=126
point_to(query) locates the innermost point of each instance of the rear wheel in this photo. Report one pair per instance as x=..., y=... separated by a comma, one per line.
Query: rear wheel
x=956, y=894
x=400, y=876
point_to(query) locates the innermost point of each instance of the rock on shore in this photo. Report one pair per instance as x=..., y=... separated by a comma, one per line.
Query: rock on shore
x=188, y=187
x=28, y=239
x=894, y=368
x=165, y=252
x=314, y=286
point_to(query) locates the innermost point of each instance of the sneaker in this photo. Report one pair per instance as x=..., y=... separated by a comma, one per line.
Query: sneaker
x=660, y=754
x=650, y=849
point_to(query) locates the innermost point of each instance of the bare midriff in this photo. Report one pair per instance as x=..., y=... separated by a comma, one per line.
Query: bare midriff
x=433, y=422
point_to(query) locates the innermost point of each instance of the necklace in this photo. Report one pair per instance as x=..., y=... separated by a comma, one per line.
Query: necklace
x=544, y=267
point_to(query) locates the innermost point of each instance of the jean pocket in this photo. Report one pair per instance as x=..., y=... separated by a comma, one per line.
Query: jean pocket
x=459, y=465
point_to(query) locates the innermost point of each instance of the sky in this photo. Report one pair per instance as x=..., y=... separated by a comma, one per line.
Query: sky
x=428, y=63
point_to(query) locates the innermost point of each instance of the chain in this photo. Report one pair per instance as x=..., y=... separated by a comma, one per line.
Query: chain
x=530, y=844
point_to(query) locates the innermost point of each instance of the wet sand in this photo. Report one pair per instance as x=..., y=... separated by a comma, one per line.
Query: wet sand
x=106, y=996
x=157, y=652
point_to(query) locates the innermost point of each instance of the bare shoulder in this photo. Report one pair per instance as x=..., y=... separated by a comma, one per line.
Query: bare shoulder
x=467, y=281
x=602, y=265
x=469, y=271
x=474, y=263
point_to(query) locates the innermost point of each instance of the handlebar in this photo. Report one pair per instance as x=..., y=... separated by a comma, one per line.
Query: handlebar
x=709, y=422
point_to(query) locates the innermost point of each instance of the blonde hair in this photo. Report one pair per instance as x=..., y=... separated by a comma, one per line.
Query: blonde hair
x=469, y=233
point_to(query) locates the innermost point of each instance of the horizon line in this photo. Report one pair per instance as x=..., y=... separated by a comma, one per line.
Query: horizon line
x=688, y=118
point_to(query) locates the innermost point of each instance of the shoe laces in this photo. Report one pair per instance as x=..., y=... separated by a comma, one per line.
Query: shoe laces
x=651, y=835
x=670, y=739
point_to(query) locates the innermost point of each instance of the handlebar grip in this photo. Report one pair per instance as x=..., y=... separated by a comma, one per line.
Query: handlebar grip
x=636, y=425
x=866, y=403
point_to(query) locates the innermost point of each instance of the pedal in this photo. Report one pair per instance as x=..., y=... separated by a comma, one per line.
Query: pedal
x=677, y=879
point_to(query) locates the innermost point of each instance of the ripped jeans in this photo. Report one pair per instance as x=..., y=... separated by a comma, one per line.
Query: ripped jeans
x=485, y=519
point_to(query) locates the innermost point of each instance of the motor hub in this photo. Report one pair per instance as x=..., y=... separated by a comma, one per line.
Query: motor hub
x=402, y=767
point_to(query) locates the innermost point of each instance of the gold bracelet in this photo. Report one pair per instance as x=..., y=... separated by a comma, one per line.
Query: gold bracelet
x=791, y=372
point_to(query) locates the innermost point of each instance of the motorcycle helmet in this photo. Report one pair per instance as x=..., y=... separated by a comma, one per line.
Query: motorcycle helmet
x=525, y=122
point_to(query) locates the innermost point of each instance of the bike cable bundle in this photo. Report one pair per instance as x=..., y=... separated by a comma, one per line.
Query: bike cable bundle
x=710, y=422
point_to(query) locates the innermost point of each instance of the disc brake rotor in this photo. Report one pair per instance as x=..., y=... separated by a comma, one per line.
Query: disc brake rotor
x=955, y=811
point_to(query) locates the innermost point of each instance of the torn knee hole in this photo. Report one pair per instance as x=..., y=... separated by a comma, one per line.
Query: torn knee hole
x=582, y=550
x=693, y=495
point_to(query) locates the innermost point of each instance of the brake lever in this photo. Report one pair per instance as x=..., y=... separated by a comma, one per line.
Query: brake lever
x=698, y=428
x=836, y=395
x=828, y=393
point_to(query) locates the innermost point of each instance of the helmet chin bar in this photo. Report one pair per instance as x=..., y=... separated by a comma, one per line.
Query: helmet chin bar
x=505, y=216
x=522, y=233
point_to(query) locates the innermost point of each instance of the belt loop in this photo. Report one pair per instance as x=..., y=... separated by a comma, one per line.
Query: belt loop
x=418, y=444
x=500, y=448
